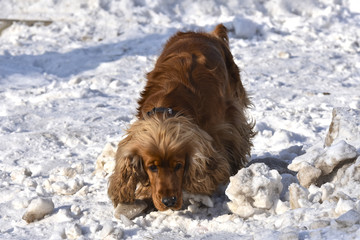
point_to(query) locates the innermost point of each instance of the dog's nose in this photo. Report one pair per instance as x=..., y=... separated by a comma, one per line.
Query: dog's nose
x=169, y=201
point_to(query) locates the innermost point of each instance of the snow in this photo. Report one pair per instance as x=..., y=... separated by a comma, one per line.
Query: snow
x=318, y=162
x=70, y=75
x=37, y=209
x=253, y=189
x=344, y=127
x=130, y=210
x=244, y=28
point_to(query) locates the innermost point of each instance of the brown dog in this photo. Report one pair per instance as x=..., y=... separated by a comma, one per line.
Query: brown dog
x=192, y=133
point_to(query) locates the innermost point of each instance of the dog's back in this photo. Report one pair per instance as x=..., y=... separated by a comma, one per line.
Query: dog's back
x=196, y=76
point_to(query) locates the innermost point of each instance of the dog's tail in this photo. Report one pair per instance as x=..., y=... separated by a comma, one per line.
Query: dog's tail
x=221, y=31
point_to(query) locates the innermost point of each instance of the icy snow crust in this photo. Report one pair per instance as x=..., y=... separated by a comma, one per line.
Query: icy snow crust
x=68, y=91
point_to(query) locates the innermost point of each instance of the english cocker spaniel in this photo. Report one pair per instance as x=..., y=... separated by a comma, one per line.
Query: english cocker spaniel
x=191, y=132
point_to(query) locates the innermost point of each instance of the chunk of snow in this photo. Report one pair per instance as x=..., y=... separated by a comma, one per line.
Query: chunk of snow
x=347, y=179
x=199, y=198
x=345, y=125
x=108, y=231
x=37, y=209
x=332, y=156
x=319, y=224
x=19, y=175
x=105, y=162
x=108, y=228
x=281, y=207
x=284, y=55
x=344, y=205
x=30, y=183
x=308, y=174
x=287, y=180
x=63, y=215
x=326, y=190
x=130, y=210
x=319, y=163
x=68, y=188
x=348, y=219
x=73, y=231
x=94, y=227
x=306, y=159
x=253, y=188
x=245, y=28
x=298, y=196
x=75, y=209
x=125, y=220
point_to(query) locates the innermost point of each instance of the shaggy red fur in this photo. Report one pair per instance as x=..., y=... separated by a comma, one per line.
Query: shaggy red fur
x=198, y=134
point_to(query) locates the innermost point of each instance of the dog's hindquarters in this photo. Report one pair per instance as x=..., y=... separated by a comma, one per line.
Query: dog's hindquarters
x=237, y=132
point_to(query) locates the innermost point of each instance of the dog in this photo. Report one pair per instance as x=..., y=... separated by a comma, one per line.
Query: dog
x=192, y=132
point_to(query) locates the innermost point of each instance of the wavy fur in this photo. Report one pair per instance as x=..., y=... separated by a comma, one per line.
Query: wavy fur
x=204, y=144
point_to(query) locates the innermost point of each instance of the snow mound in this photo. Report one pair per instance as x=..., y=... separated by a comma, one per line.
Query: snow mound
x=299, y=196
x=333, y=169
x=245, y=28
x=19, y=175
x=37, y=209
x=105, y=162
x=345, y=125
x=128, y=210
x=348, y=219
x=196, y=199
x=318, y=163
x=347, y=179
x=73, y=231
x=336, y=161
x=253, y=190
x=332, y=173
x=65, y=180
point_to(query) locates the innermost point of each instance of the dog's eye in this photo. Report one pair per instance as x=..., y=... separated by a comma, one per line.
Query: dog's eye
x=153, y=168
x=178, y=166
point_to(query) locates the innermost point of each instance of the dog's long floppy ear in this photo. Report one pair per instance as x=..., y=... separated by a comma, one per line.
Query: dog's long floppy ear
x=127, y=174
x=205, y=168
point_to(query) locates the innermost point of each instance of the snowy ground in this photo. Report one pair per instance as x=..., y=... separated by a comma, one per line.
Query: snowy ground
x=70, y=87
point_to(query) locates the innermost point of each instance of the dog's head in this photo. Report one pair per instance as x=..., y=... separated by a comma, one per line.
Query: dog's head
x=155, y=152
x=164, y=150
x=165, y=171
x=165, y=156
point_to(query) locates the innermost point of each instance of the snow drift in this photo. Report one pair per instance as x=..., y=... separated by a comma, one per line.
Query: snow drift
x=70, y=75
